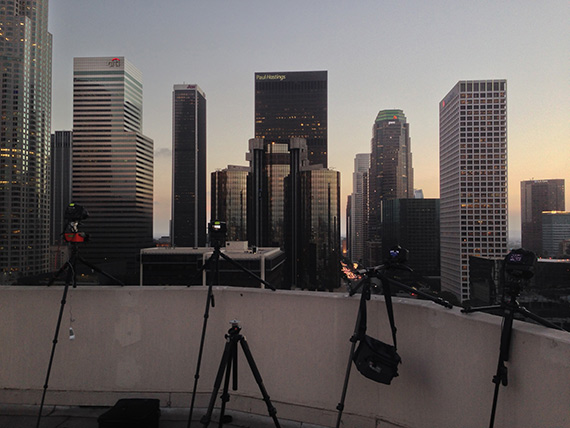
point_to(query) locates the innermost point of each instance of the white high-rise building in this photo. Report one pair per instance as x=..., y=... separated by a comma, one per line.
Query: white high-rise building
x=112, y=161
x=359, y=204
x=25, y=61
x=473, y=178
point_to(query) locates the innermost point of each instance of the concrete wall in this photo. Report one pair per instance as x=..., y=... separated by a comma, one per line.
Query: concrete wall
x=143, y=341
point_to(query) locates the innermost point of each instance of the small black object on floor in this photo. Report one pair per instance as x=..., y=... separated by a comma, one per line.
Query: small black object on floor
x=132, y=413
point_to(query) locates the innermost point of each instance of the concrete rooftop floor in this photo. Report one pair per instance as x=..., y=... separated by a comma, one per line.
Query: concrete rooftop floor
x=18, y=416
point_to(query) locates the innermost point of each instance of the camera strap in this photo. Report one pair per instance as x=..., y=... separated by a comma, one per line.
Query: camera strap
x=389, y=309
x=388, y=298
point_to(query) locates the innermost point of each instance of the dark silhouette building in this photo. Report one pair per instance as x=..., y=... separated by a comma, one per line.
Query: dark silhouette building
x=61, y=181
x=317, y=251
x=555, y=230
x=391, y=173
x=229, y=200
x=188, y=227
x=293, y=104
x=538, y=196
x=288, y=159
x=295, y=206
x=413, y=224
x=357, y=224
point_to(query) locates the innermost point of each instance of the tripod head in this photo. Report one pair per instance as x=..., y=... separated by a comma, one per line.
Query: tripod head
x=234, y=329
x=217, y=232
x=74, y=214
x=518, y=269
x=395, y=259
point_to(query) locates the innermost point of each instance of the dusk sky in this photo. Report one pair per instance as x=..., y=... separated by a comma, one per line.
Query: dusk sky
x=379, y=55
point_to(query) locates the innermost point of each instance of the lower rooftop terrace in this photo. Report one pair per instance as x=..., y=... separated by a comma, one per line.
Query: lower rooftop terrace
x=143, y=342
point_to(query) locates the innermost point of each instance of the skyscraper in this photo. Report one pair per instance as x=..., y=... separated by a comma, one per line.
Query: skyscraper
x=391, y=174
x=61, y=180
x=270, y=165
x=289, y=147
x=293, y=105
x=473, y=178
x=229, y=200
x=414, y=225
x=538, y=196
x=112, y=161
x=555, y=230
x=318, y=251
x=25, y=61
x=189, y=166
x=359, y=207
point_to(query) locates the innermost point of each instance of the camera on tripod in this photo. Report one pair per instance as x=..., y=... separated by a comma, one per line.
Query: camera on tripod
x=397, y=255
x=217, y=231
x=74, y=214
x=518, y=267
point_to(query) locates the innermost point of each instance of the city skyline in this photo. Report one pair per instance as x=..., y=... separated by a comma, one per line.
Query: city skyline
x=446, y=42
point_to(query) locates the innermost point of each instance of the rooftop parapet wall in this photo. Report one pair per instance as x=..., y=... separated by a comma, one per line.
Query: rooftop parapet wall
x=143, y=341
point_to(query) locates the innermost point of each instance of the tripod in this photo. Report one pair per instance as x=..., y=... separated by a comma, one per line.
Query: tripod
x=215, y=260
x=509, y=307
x=397, y=256
x=229, y=363
x=71, y=278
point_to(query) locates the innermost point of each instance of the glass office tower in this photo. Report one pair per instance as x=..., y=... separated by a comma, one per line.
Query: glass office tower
x=293, y=104
x=270, y=165
x=112, y=162
x=538, y=196
x=413, y=224
x=473, y=178
x=188, y=227
x=229, y=200
x=61, y=179
x=391, y=174
x=25, y=61
x=359, y=207
x=318, y=254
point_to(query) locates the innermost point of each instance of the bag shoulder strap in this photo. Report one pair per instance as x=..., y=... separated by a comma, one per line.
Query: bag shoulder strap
x=362, y=312
x=389, y=308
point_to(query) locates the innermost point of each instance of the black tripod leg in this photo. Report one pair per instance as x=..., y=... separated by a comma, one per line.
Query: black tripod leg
x=62, y=269
x=98, y=270
x=221, y=369
x=353, y=339
x=501, y=377
x=225, y=394
x=54, y=343
x=270, y=408
x=525, y=312
x=209, y=301
x=340, y=406
x=250, y=273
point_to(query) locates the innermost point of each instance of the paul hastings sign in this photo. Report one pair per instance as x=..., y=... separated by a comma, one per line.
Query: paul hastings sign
x=291, y=76
x=272, y=76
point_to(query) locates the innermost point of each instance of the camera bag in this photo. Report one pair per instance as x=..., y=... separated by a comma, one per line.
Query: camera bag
x=132, y=413
x=373, y=358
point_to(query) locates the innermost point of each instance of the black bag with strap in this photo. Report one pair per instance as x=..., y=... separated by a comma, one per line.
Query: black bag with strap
x=373, y=358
